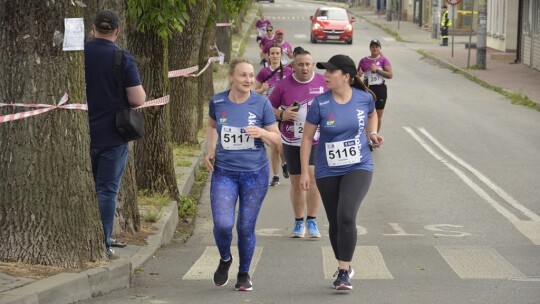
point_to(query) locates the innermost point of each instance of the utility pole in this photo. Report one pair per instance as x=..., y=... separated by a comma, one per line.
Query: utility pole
x=481, y=37
x=435, y=12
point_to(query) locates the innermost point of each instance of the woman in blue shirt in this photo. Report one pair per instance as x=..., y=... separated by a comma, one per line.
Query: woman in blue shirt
x=343, y=168
x=240, y=123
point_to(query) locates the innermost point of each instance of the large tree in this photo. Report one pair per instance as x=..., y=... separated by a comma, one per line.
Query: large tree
x=152, y=23
x=205, y=82
x=48, y=209
x=184, y=48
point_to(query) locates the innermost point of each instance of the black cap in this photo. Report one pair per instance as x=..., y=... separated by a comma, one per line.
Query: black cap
x=339, y=62
x=107, y=20
x=375, y=41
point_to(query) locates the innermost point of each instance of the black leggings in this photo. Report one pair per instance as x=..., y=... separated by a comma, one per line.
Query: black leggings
x=341, y=196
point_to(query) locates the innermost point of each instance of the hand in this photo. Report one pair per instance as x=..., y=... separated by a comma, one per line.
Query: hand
x=304, y=181
x=209, y=161
x=254, y=131
x=374, y=68
x=290, y=113
x=265, y=86
x=376, y=140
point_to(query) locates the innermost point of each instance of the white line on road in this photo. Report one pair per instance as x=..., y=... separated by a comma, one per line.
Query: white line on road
x=368, y=263
x=503, y=194
x=528, y=228
x=479, y=262
x=204, y=267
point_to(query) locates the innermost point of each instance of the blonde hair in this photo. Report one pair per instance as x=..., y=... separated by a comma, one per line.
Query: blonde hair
x=235, y=62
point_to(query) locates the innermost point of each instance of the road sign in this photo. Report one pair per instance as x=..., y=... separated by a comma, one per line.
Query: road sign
x=453, y=2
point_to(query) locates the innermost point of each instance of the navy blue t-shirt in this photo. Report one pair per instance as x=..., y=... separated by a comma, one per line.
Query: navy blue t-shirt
x=343, y=144
x=235, y=151
x=101, y=94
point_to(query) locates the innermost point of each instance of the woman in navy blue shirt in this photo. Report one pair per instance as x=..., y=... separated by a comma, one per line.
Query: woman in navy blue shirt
x=343, y=168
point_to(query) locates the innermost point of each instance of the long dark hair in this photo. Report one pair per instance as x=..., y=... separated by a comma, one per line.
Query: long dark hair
x=356, y=82
x=275, y=45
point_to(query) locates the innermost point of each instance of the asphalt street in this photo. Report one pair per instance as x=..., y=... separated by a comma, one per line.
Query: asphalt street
x=452, y=215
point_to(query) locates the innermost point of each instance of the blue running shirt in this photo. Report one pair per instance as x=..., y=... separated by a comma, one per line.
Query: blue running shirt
x=342, y=133
x=233, y=150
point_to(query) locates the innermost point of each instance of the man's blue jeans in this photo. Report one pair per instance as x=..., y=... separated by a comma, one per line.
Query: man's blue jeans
x=108, y=165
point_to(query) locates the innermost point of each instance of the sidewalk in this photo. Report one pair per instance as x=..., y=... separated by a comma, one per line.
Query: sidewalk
x=74, y=287
x=501, y=71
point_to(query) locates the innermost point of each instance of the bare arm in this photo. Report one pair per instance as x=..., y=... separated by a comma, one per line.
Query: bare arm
x=305, y=151
x=371, y=130
x=270, y=134
x=211, y=142
x=136, y=96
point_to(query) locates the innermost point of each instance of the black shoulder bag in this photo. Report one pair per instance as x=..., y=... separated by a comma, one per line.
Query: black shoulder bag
x=129, y=123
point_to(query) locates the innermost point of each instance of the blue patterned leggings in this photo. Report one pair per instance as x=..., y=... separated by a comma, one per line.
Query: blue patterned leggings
x=226, y=188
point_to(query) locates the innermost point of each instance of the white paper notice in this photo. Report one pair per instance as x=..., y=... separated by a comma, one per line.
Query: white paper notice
x=74, y=34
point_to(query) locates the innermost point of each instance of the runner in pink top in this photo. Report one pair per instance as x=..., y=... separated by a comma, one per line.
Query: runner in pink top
x=300, y=89
x=261, y=25
x=285, y=46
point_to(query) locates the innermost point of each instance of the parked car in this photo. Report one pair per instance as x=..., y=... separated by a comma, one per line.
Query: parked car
x=271, y=1
x=331, y=24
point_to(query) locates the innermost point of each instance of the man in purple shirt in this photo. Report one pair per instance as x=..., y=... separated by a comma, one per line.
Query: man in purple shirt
x=291, y=99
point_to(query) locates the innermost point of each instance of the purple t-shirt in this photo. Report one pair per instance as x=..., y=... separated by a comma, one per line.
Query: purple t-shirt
x=272, y=81
x=265, y=41
x=365, y=66
x=261, y=26
x=343, y=144
x=289, y=90
x=285, y=49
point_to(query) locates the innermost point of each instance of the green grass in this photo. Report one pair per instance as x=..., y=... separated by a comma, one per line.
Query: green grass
x=157, y=200
x=387, y=30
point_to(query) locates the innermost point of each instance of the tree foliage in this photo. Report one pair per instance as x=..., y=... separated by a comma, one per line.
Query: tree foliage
x=163, y=16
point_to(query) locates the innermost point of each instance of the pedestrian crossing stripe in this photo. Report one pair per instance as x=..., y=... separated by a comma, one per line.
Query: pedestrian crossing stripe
x=287, y=17
x=468, y=262
x=368, y=264
x=478, y=262
x=206, y=265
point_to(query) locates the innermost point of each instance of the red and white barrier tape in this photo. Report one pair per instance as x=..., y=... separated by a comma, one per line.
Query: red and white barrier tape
x=79, y=106
x=183, y=72
x=225, y=23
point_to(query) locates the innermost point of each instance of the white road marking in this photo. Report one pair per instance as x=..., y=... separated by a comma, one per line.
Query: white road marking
x=470, y=262
x=399, y=231
x=527, y=228
x=205, y=266
x=503, y=194
x=300, y=36
x=367, y=262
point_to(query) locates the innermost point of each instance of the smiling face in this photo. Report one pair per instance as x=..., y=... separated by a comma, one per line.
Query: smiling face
x=242, y=77
x=303, y=67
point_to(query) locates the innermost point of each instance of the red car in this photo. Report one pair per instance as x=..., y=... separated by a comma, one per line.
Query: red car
x=333, y=24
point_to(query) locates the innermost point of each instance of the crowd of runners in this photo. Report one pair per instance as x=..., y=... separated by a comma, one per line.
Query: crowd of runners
x=320, y=130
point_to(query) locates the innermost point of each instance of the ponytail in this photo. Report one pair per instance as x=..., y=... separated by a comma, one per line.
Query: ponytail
x=356, y=82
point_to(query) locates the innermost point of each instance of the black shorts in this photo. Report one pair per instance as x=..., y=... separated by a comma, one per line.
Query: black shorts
x=259, y=38
x=380, y=92
x=292, y=156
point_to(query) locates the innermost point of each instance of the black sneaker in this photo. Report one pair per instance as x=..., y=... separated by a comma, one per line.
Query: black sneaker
x=221, y=276
x=244, y=282
x=342, y=281
x=285, y=169
x=275, y=181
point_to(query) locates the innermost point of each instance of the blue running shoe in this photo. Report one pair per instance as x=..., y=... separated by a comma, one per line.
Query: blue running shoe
x=313, y=230
x=299, y=230
x=343, y=280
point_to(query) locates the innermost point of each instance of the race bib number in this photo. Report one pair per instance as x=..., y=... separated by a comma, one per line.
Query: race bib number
x=374, y=78
x=233, y=138
x=298, y=128
x=342, y=153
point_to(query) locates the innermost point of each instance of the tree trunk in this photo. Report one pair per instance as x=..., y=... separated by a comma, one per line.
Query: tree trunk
x=184, y=52
x=48, y=208
x=206, y=80
x=154, y=165
x=223, y=33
